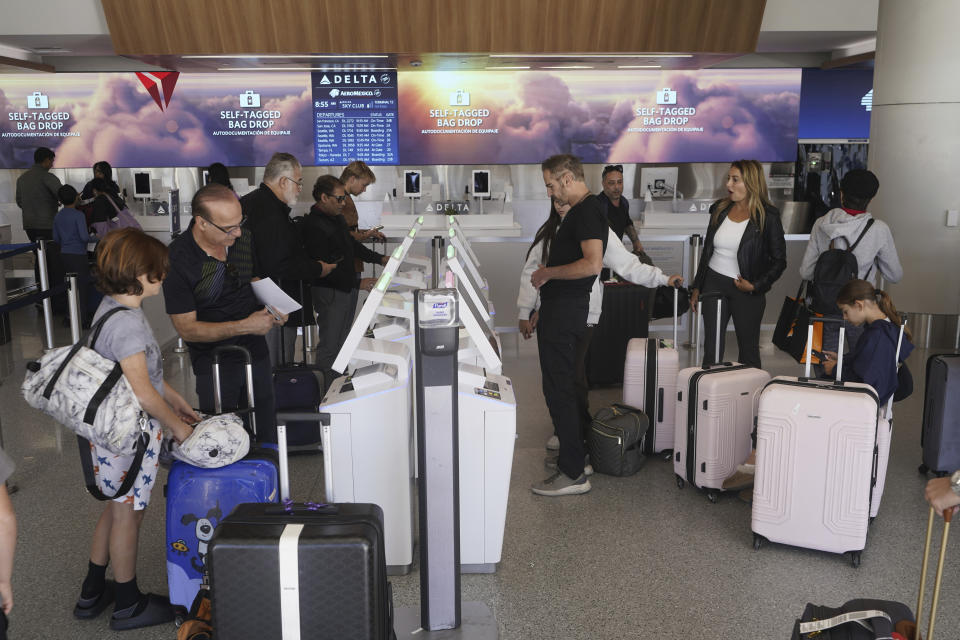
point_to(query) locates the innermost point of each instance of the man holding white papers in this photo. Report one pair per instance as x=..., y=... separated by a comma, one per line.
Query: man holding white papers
x=211, y=303
x=279, y=251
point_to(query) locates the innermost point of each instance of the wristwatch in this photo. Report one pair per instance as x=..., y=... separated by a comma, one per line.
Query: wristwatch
x=955, y=482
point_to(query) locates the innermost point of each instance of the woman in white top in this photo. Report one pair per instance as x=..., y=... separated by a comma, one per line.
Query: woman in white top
x=743, y=255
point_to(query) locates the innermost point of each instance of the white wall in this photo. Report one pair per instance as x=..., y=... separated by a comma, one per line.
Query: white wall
x=821, y=15
x=68, y=17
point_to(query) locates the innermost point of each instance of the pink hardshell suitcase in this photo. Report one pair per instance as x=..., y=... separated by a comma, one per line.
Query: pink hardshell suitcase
x=816, y=457
x=657, y=361
x=714, y=416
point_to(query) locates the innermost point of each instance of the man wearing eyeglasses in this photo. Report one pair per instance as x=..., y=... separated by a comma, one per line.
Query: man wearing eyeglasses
x=616, y=207
x=326, y=236
x=279, y=250
x=210, y=301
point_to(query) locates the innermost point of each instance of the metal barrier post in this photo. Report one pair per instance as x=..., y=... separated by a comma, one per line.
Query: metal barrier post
x=437, y=245
x=45, y=286
x=181, y=347
x=73, y=305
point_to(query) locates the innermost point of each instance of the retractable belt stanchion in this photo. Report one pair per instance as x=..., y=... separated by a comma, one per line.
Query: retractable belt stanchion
x=436, y=257
x=44, y=286
x=73, y=306
x=441, y=613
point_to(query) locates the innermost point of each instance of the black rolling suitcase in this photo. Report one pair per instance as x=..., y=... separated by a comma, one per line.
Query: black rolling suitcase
x=298, y=387
x=940, y=437
x=316, y=572
x=626, y=315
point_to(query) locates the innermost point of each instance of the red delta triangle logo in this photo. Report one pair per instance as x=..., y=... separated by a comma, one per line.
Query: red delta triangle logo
x=159, y=84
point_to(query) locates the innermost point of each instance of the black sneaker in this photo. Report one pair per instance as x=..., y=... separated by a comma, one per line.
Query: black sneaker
x=150, y=611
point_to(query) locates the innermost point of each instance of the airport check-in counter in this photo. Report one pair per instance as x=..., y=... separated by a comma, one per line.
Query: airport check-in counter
x=370, y=445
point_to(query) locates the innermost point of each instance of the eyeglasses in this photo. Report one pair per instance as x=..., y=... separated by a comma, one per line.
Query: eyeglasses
x=299, y=182
x=231, y=228
x=340, y=199
x=612, y=167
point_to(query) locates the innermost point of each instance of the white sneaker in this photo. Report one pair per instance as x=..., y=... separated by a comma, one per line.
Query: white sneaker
x=559, y=484
x=553, y=444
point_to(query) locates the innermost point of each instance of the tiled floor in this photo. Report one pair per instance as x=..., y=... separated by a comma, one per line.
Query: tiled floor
x=635, y=558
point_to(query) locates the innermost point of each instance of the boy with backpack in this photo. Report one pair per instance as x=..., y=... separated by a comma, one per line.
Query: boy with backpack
x=847, y=244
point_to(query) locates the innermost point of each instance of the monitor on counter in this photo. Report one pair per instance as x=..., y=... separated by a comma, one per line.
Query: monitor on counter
x=412, y=181
x=481, y=183
x=141, y=185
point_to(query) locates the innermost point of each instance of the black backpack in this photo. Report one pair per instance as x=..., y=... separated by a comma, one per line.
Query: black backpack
x=834, y=269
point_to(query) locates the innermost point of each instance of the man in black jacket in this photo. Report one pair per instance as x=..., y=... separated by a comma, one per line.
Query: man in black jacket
x=280, y=254
x=327, y=237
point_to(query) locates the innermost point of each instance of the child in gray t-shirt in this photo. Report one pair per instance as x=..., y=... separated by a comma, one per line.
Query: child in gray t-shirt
x=127, y=333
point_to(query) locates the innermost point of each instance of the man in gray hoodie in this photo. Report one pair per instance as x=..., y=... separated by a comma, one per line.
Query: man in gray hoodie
x=875, y=253
x=37, y=196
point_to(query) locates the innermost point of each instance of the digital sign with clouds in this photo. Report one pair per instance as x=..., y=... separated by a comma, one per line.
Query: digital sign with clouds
x=155, y=119
x=519, y=117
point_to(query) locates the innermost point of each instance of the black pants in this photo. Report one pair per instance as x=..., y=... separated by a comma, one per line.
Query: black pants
x=747, y=311
x=233, y=385
x=583, y=385
x=560, y=331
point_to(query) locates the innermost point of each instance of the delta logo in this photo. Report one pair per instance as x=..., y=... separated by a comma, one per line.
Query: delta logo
x=354, y=78
x=159, y=84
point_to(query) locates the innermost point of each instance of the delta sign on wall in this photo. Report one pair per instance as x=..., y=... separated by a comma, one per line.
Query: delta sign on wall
x=512, y=117
x=161, y=119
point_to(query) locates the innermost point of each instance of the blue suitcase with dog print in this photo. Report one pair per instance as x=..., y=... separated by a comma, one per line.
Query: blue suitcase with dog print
x=199, y=499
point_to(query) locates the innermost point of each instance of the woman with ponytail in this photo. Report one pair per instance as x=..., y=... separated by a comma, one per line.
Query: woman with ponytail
x=871, y=360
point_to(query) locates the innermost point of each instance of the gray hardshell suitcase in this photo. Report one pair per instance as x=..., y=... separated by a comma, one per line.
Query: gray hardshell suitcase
x=940, y=437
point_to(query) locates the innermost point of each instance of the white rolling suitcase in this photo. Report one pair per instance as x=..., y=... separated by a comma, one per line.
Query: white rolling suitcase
x=714, y=417
x=884, y=435
x=816, y=461
x=657, y=361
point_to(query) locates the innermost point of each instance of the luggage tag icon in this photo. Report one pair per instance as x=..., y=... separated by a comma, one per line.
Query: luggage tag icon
x=666, y=96
x=37, y=100
x=460, y=98
x=250, y=99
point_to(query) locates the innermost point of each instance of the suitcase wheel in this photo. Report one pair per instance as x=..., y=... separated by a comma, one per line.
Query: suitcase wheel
x=923, y=469
x=680, y=482
x=757, y=541
x=713, y=496
x=855, y=559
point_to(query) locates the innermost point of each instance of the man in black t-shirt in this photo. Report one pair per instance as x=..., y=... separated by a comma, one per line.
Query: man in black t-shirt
x=211, y=303
x=576, y=257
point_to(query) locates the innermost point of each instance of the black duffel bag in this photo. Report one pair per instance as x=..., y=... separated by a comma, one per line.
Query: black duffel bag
x=860, y=619
x=615, y=440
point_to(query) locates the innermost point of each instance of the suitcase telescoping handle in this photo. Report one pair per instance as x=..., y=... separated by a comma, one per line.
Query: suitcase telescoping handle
x=896, y=362
x=947, y=516
x=248, y=370
x=676, y=314
x=282, y=419
x=716, y=340
x=838, y=321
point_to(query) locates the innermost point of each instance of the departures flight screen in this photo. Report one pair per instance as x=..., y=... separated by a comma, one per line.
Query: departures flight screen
x=355, y=117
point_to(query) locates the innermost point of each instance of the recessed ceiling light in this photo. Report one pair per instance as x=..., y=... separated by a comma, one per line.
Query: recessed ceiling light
x=254, y=56
x=507, y=68
x=569, y=66
x=44, y=50
x=306, y=69
x=638, y=66
x=591, y=55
